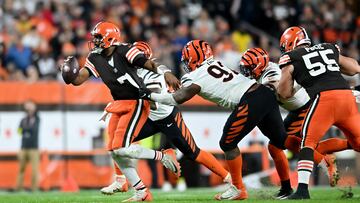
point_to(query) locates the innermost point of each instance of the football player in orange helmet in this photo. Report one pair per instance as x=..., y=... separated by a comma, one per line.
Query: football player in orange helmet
x=318, y=69
x=252, y=64
x=294, y=37
x=116, y=63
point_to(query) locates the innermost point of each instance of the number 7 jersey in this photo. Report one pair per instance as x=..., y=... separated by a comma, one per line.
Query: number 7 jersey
x=316, y=68
x=218, y=83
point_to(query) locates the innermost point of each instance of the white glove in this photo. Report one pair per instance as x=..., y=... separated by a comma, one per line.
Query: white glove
x=356, y=95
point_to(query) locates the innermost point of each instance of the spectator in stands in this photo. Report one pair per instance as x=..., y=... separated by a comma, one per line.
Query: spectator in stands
x=45, y=63
x=19, y=55
x=29, y=130
x=171, y=22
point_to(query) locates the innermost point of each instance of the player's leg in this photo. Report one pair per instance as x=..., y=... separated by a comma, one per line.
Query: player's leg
x=241, y=121
x=120, y=184
x=293, y=123
x=175, y=129
x=130, y=116
x=332, y=145
x=317, y=121
x=350, y=123
x=128, y=167
x=272, y=126
x=129, y=126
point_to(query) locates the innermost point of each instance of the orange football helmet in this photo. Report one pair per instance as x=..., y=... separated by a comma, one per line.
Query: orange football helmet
x=293, y=37
x=194, y=53
x=253, y=62
x=105, y=34
x=145, y=48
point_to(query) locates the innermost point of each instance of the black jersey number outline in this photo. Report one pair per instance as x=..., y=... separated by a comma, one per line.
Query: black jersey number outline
x=319, y=68
x=217, y=72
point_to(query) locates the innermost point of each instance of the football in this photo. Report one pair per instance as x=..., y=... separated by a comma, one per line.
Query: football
x=70, y=69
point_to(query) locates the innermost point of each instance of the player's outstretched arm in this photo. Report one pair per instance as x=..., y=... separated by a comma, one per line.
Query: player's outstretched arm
x=180, y=96
x=348, y=66
x=285, y=88
x=170, y=79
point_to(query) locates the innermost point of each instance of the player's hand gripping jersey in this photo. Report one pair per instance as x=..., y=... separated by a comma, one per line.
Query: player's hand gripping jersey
x=154, y=80
x=119, y=71
x=218, y=83
x=271, y=74
x=316, y=68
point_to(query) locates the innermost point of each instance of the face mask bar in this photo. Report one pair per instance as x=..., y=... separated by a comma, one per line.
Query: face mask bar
x=185, y=66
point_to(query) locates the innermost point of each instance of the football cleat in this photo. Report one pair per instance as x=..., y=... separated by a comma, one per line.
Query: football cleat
x=283, y=193
x=232, y=193
x=299, y=195
x=119, y=185
x=170, y=162
x=328, y=166
x=140, y=196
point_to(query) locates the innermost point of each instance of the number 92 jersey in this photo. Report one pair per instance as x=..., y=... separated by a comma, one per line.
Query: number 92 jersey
x=316, y=68
x=218, y=83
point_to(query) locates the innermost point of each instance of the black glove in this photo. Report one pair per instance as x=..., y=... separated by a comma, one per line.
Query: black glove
x=357, y=88
x=144, y=93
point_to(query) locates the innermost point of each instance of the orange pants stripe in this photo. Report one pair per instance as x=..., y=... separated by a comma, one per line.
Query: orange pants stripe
x=127, y=119
x=333, y=107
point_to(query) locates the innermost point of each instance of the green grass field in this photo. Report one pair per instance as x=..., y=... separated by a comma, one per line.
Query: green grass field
x=191, y=195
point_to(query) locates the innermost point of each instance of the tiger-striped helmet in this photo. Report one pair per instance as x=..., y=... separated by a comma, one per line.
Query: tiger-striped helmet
x=292, y=38
x=195, y=53
x=145, y=48
x=253, y=62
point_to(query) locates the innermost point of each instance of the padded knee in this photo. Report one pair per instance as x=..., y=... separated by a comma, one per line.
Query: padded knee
x=132, y=151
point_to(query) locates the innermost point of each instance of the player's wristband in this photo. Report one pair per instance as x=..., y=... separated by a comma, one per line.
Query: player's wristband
x=162, y=69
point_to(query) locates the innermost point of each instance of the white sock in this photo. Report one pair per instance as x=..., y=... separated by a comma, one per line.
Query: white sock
x=136, y=151
x=305, y=168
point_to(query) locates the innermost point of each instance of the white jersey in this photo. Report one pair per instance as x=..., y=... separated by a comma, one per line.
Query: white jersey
x=154, y=80
x=273, y=73
x=218, y=83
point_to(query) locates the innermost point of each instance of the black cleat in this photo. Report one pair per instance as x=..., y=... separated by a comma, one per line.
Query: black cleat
x=299, y=195
x=284, y=193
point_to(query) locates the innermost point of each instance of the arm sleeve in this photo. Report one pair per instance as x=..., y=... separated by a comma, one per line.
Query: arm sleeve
x=186, y=80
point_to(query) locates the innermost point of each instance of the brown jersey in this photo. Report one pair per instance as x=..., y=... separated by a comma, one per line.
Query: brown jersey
x=316, y=68
x=118, y=71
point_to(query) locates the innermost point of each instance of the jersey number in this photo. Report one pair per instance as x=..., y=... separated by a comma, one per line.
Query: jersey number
x=127, y=77
x=318, y=68
x=218, y=72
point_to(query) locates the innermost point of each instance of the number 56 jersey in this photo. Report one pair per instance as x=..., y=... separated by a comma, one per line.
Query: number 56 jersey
x=316, y=68
x=218, y=83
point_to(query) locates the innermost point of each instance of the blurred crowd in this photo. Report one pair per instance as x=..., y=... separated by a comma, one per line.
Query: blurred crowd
x=36, y=35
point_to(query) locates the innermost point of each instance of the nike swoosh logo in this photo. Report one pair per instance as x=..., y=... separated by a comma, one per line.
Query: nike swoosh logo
x=168, y=125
